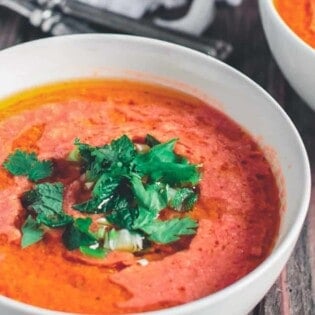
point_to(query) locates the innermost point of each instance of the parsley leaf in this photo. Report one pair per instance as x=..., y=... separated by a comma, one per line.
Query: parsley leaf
x=31, y=232
x=77, y=234
x=21, y=163
x=46, y=201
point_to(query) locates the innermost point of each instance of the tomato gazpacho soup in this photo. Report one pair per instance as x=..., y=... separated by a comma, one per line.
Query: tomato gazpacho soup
x=120, y=197
x=299, y=15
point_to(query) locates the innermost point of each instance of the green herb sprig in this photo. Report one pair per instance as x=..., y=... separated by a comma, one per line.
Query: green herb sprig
x=22, y=163
x=129, y=187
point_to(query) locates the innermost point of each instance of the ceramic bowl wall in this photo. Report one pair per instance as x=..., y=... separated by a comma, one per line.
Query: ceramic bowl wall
x=295, y=58
x=117, y=56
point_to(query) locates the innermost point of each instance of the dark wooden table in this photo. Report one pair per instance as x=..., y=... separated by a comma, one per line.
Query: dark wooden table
x=294, y=291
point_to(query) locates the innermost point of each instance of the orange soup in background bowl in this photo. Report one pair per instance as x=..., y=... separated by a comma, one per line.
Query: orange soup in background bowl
x=300, y=17
x=289, y=26
x=139, y=176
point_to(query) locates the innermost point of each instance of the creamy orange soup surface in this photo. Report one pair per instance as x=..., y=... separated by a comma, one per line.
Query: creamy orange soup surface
x=237, y=209
x=299, y=15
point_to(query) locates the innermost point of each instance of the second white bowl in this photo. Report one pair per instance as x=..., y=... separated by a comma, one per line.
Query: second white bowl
x=295, y=58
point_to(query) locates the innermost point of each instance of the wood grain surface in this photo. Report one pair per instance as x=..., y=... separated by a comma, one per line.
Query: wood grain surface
x=294, y=291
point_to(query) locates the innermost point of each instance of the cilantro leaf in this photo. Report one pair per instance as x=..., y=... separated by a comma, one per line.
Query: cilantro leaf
x=121, y=190
x=77, y=234
x=54, y=219
x=21, y=163
x=161, y=163
x=171, y=173
x=130, y=188
x=40, y=171
x=181, y=199
x=93, y=205
x=152, y=196
x=102, y=193
x=123, y=214
x=144, y=219
x=92, y=167
x=119, y=152
x=151, y=141
x=163, y=232
x=169, y=231
x=46, y=201
x=124, y=149
x=31, y=232
x=106, y=186
x=163, y=152
x=98, y=252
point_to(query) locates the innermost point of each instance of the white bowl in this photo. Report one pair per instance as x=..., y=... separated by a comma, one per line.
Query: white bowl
x=82, y=56
x=295, y=58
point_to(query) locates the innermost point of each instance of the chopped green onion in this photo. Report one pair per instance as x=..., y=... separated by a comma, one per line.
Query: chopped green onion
x=123, y=240
x=74, y=155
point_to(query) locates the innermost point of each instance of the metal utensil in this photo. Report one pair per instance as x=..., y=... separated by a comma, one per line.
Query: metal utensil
x=48, y=20
x=215, y=48
x=60, y=17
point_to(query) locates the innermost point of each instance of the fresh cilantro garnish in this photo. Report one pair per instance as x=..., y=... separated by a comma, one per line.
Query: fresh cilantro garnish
x=77, y=234
x=168, y=231
x=151, y=196
x=162, y=164
x=21, y=163
x=46, y=201
x=136, y=186
x=181, y=199
x=151, y=141
x=98, y=252
x=102, y=195
x=144, y=219
x=130, y=184
x=94, y=205
x=117, y=154
x=31, y=232
x=123, y=214
x=163, y=231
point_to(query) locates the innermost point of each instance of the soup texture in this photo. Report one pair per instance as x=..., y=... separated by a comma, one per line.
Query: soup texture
x=237, y=211
x=300, y=17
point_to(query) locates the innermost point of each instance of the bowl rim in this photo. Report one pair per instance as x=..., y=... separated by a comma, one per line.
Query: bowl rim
x=270, y=4
x=284, y=244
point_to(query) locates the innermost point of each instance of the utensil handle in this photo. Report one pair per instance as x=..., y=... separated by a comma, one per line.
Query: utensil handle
x=212, y=47
x=68, y=25
x=24, y=8
x=46, y=19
